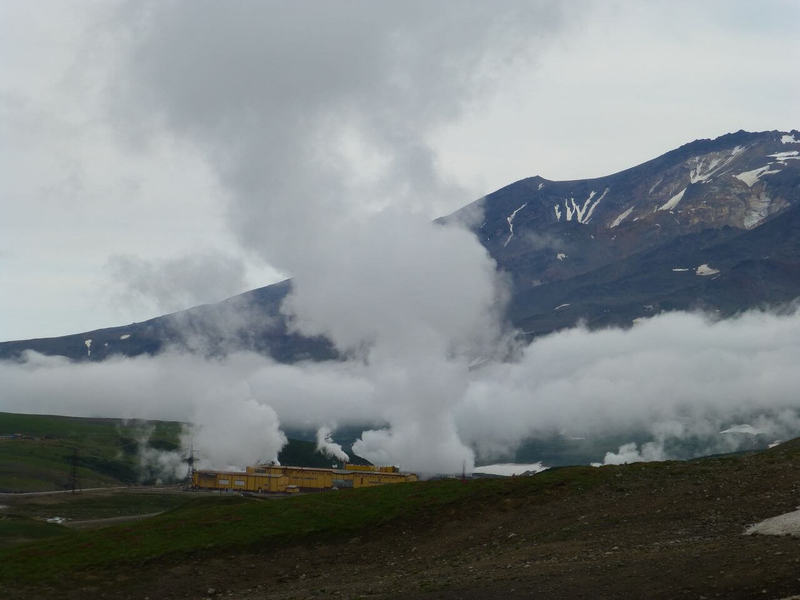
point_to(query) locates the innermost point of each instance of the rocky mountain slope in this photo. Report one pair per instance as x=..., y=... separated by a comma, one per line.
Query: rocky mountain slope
x=714, y=224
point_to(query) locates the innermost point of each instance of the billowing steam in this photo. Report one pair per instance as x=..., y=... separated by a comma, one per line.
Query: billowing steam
x=327, y=446
x=332, y=178
x=671, y=385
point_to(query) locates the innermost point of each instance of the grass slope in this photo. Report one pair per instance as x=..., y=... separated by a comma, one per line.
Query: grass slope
x=15, y=530
x=107, y=450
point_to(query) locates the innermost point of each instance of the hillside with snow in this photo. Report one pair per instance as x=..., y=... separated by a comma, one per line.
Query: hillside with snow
x=712, y=225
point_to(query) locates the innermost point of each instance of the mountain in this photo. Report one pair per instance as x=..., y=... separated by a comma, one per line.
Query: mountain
x=714, y=224
x=249, y=321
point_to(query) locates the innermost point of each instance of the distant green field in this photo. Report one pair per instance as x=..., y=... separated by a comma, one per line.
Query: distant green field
x=105, y=451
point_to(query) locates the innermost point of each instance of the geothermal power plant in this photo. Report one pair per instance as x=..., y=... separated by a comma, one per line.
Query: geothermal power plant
x=278, y=479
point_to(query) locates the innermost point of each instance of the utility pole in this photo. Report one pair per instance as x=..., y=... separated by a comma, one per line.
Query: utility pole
x=190, y=464
x=73, y=472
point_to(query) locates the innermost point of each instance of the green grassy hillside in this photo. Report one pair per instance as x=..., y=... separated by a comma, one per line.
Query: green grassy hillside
x=36, y=451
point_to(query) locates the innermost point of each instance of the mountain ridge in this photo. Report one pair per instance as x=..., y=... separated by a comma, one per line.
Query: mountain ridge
x=658, y=236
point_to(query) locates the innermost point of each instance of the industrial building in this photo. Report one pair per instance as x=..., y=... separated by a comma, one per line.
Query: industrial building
x=271, y=478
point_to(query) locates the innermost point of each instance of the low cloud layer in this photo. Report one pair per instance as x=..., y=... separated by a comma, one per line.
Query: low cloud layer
x=674, y=377
x=675, y=381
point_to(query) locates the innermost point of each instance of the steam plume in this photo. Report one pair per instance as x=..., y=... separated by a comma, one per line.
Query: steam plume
x=326, y=445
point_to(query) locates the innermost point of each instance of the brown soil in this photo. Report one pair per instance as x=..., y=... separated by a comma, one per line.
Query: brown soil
x=672, y=530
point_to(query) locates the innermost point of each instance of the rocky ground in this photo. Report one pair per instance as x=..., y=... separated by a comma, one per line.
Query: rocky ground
x=669, y=530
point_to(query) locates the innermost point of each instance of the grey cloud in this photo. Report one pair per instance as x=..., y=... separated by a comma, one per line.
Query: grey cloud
x=319, y=123
x=675, y=382
x=173, y=284
x=274, y=92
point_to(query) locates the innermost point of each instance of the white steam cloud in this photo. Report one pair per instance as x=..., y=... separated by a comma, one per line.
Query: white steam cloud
x=678, y=377
x=327, y=446
x=675, y=381
x=326, y=151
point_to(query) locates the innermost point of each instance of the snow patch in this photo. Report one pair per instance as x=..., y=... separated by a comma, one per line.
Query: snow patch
x=655, y=185
x=593, y=206
x=88, y=344
x=125, y=336
x=673, y=202
x=751, y=177
x=789, y=139
x=757, y=211
x=541, y=185
x=510, y=469
x=510, y=220
x=582, y=212
x=704, y=270
x=702, y=171
x=744, y=428
x=785, y=524
x=788, y=155
x=621, y=218
x=679, y=269
x=560, y=306
x=561, y=256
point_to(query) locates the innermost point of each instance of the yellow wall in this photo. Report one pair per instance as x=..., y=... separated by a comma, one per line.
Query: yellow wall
x=241, y=481
x=275, y=478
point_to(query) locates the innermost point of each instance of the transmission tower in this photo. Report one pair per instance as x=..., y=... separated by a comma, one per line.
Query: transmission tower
x=74, y=484
x=190, y=460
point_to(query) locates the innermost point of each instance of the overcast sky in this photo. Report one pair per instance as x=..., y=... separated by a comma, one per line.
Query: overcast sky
x=137, y=137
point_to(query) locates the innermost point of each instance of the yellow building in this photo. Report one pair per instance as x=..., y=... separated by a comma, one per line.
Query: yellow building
x=240, y=481
x=283, y=479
